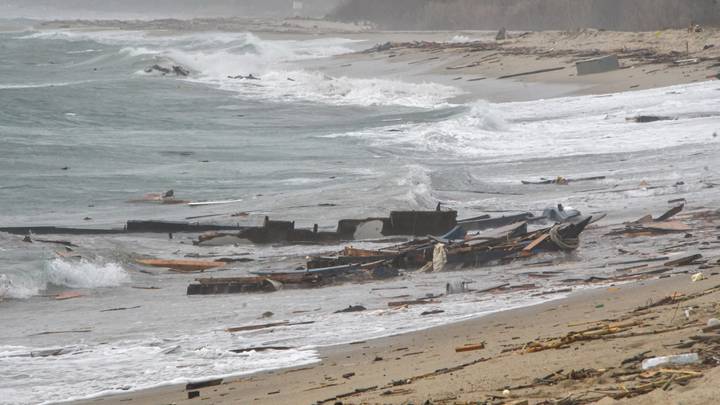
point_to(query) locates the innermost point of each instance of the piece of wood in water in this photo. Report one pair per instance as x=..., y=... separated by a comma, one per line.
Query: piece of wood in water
x=670, y=213
x=266, y=325
x=120, y=309
x=56, y=332
x=57, y=242
x=67, y=295
x=411, y=302
x=202, y=203
x=683, y=260
x=182, y=265
x=260, y=349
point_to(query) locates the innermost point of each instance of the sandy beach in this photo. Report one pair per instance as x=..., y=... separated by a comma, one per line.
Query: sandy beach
x=510, y=363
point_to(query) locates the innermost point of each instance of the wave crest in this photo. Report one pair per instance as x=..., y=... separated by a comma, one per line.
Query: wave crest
x=85, y=274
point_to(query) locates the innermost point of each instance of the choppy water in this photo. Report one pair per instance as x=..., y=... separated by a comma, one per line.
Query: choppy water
x=284, y=144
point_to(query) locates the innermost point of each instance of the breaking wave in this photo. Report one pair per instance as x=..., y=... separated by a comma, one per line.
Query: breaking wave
x=62, y=273
x=13, y=290
x=418, y=184
x=85, y=274
x=568, y=126
x=215, y=57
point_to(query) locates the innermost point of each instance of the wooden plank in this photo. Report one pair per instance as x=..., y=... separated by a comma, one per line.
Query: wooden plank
x=181, y=265
x=532, y=72
x=469, y=348
x=527, y=250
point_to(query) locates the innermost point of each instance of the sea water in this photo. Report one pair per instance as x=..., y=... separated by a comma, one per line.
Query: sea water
x=84, y=129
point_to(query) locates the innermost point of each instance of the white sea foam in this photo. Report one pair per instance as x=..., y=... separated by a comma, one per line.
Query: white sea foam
x=15, y=289
x=85, y=274
x=562, y=127
x=104, y=369
x=314, y=86
x=460, y=39
x=89, y=370
x=213, y=57
x=418, y=184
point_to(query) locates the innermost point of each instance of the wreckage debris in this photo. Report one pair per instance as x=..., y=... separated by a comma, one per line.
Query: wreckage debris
x=241, y=77
x=67, y=296
x=203, y=384
x=351, y=308
x=265, y=326
x=354, y=265
x=185, y=266
x=120, y=309
x=469, y=347
x=177, y=69
x=649, y=226
x=261, y=349
x=561, y=180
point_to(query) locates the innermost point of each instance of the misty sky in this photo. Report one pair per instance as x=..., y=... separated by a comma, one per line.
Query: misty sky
x=62, y=9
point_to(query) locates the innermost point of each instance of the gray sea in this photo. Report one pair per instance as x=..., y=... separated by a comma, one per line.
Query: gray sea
x=85, y=130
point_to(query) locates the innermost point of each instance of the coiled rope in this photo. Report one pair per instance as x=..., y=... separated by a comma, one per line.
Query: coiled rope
x=566, y=244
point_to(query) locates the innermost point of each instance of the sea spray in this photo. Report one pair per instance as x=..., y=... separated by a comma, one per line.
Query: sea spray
x=14, y=289
x=418, y=183
x=215, y=59
x=85, y=274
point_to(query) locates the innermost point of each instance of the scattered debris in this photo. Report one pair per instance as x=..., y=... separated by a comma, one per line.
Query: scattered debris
x=261, y=349
x=562, y=180
x=120, y=309
x=203, y=384
x=67, y=295
x=600, y=64
x=177, y=69
x=648, y=118
x=265, y=326
x=184, y=266
x=676, y=360
x=351, y=308
x=470, y=347
x=532, y=72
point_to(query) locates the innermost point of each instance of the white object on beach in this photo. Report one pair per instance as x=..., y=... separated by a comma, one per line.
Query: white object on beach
x=680, y=359
x=697, y=277
x=506, y=393
x=201, y=203
x=713, y=322
x=439, y=257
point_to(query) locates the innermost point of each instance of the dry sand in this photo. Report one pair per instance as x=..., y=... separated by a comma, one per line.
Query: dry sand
x=421, y=366
x=647, y=60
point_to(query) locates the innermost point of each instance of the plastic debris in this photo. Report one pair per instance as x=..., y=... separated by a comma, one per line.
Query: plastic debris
x=680, y=359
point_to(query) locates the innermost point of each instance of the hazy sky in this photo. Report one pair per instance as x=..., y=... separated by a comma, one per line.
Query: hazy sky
x=51, y=9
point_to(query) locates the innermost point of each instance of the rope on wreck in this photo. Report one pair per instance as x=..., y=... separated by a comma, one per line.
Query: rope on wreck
x=566, y=244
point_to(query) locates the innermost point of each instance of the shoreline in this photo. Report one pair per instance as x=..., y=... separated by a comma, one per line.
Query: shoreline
x=433, y=348
x=378, y=362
